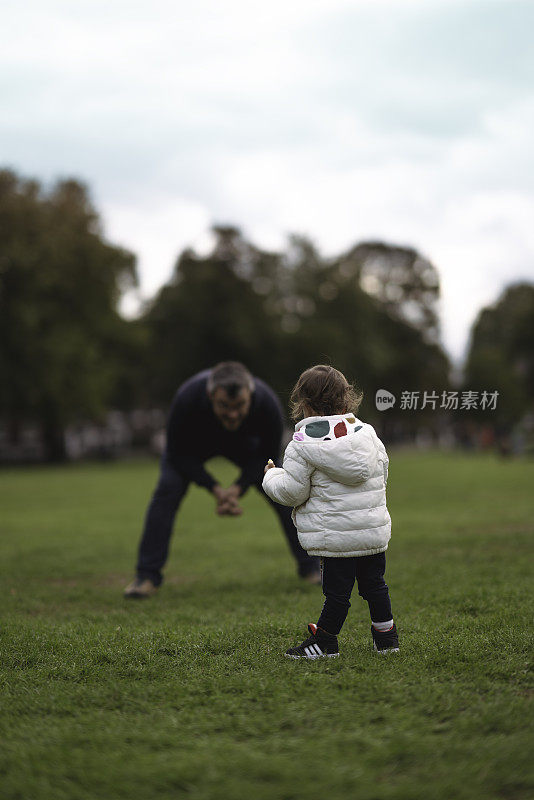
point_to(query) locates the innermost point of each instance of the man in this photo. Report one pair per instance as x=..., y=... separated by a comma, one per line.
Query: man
x=219, y=412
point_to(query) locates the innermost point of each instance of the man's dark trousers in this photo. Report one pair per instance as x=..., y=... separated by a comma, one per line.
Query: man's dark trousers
x=169, y=493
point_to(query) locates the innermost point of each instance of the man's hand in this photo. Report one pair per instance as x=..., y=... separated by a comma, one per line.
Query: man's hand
x=269, y=465
x=227, y=504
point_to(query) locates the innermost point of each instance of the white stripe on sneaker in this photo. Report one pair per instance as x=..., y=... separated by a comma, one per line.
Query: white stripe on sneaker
x=386, y=650
x=318, y=650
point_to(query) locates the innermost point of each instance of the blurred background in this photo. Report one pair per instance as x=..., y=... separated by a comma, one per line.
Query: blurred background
x=280, y=184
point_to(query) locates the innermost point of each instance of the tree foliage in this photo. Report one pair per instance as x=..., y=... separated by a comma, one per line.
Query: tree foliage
x=501, y=353
x=60, y=282
x=66, y=353
x=281, y=312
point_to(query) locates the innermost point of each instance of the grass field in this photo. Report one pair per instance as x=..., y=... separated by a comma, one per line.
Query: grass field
x=188, y=695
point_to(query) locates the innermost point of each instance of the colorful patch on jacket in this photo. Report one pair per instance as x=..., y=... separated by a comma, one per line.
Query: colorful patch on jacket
x=317, y=429
x=340, y=429
x=326, y=429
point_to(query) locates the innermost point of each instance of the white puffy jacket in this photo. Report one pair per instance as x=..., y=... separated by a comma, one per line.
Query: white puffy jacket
x=334, y=474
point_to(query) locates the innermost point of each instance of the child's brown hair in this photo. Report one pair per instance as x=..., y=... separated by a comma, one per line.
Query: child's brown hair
x=323, y=390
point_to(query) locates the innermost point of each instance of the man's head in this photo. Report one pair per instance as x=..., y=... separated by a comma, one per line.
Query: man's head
x=230, y=387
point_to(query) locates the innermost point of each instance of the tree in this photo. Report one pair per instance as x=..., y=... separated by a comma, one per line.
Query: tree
x=281, y=312
x=60, y=282
x=208, y=312
x=501, y=355
x=404, y=282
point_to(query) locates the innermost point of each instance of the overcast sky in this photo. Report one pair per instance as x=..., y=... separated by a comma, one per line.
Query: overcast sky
x=406, y=120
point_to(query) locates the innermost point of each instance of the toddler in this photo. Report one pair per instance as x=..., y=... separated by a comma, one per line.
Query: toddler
x=334, y=473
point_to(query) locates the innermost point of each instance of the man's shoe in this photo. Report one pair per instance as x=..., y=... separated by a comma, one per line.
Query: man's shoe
x=140, y=588
x=386, y=642
x=313, y=577
x=319, y=645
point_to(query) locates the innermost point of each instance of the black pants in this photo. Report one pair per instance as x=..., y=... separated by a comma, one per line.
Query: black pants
x=169, y=493
x=339, y=575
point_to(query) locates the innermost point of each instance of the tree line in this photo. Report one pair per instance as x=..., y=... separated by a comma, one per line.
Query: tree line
x=67, y=354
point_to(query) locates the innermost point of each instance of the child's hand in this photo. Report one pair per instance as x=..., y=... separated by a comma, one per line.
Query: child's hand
x=270, y=464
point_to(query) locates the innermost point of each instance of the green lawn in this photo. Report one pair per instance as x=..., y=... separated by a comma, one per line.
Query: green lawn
x=188, y=694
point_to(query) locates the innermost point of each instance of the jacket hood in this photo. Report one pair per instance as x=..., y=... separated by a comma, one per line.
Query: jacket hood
x=339, y=445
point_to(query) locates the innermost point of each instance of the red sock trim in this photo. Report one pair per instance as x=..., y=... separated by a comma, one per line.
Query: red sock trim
x=324, y=631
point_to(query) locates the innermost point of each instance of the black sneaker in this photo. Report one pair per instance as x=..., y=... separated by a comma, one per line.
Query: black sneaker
x=386, y=642
x=319, y=645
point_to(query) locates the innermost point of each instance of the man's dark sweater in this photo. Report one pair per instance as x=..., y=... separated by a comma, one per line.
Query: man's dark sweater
x=194, y=434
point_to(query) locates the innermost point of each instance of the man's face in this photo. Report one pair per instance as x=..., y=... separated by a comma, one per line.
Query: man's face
x=231, y=411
